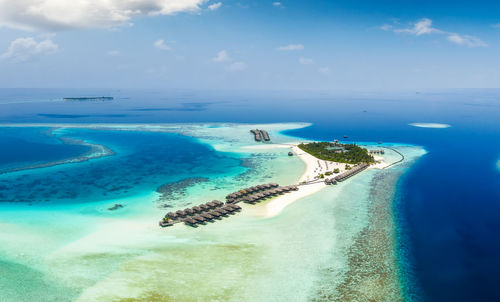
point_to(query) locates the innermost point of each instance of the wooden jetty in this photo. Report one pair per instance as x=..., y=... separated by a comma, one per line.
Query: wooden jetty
x=217, y=210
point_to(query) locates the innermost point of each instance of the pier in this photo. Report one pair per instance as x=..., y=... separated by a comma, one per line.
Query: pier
x=260, y=135
x=217, y=210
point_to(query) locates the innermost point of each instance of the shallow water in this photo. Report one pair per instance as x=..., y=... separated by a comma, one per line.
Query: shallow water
x=448, y=218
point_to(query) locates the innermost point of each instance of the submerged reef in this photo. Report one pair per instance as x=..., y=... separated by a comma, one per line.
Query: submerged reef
x=176, y=190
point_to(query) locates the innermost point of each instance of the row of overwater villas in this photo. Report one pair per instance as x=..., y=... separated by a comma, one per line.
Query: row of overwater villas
x=381, y=151
x=256, y=197
x=200, y=214
x=217, y=209
x=260, y=134
x=355, y=170
x=258, y=192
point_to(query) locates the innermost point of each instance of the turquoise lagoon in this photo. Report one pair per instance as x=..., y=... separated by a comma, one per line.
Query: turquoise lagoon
x=61, y=242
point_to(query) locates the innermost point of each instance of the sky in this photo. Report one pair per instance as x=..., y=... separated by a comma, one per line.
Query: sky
x=261, y=45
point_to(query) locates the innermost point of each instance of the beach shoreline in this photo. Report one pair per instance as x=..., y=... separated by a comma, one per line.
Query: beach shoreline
x=313, y=166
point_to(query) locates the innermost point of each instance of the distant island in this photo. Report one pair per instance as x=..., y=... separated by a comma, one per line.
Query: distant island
x=336, y=152
x=97, y=98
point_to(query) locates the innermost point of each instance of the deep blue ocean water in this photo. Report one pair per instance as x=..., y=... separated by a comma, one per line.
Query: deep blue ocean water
x=26, y=146
x=142, y=162
x=449, y=201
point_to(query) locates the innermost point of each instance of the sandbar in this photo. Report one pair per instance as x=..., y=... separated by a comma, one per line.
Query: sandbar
x=430, y=125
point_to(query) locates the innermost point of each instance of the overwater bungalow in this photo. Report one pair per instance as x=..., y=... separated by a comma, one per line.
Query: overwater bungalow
x=274, y=185
x=211, y=205
x=229, y=210
x=215, y=214
x=207, y=216
x=180, y=213
x=190, y=222
x=217, y=203
x=189, y=212
x=197, y=209
x=172, y=215
x=165, y=223
x=204, y=207
x=223, y=211
x=199, y=219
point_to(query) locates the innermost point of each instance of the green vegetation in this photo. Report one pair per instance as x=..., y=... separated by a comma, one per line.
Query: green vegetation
x=336, y=170
x=328, y=173
x=348, y=153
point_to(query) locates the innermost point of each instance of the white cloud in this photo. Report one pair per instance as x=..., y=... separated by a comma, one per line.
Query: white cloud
x=278, y=4
x=237, y=66
x=386, y=27
x=24, y=49
x=160, y=44
x=113, y=53
x=54, y=15
x=215, y=6
x=222, y=56
x=424, y=27
x=305, y=61
x=496, y=25
x=291, y=47
x=324, y=70
x=466, y=40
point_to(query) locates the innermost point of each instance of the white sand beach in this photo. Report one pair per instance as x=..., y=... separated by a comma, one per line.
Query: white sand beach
x=313, y=167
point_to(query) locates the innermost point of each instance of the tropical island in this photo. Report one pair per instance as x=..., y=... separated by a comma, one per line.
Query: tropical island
x=94, y=98
x=336, y=152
